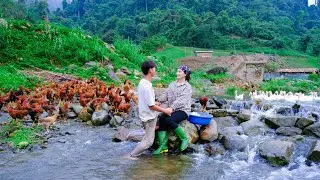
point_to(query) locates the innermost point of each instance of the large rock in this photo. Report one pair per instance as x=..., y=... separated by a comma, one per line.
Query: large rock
x=227, y=131
x=223, y=122
x=124, y=134
x=288, y=131
x=234, y=142
x=312, y=130
x=84, y=115
x=112, y=75
x=76, y=108
x=277, y=121
x=244, y=115
x=219, y=102
x=304, y=122
x=277, y=152
x=125, y=70
x=116, y=121
x=3, y=23
x=100, y=118
x=190, y=130
x=91, y=64
x=121, y=75
x=220, y=113
x=254, y=127
x=210, y=132
x=214, y=149
x=314, y=154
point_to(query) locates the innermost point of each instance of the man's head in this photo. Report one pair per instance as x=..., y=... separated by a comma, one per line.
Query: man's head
x=148, y=67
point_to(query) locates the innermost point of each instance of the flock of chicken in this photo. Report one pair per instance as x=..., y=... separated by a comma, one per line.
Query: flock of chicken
x=280, y=96
x=55, y=99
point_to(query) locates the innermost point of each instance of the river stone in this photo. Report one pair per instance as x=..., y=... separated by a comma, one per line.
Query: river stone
x=277, y=152
x=312, y=130
x=116, y=121
x=254, y=127
x=244, y=115
x=228, y=121
x=210, y=132
x=196, y=107
x=100, y=118
x=277, y=121
x=219, y=102
x=125, y=70
x=84, y=115
x=3, y=23
x=234, y=142
x=124, y=134
x=220, y=113
x=304, y=122
x=71, y=115
x=136, y=135
x=76, y=108
x=288, y=131
x=105, y=106
x=112, y=75
x=214, y=149
x=314, y=154
x=121, y=75
x=190, y=130
x=285, y=111
x=211, y=106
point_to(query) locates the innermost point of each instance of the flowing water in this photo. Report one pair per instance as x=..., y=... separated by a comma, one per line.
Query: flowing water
x=89, y=153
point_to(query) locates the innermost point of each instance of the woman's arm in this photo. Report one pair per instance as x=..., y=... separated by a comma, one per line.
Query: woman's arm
x=183, y=99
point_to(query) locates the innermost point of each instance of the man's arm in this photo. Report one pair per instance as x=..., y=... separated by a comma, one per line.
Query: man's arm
x=167, y=111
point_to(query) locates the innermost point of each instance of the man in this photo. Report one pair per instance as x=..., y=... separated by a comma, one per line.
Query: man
x=147, y=108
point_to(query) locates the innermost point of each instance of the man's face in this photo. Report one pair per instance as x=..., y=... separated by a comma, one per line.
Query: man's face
x=152, y=71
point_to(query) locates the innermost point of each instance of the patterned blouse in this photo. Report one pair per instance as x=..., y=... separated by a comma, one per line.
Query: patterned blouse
x=178, y=97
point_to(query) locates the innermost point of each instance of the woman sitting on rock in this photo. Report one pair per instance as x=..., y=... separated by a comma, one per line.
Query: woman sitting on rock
x=178, y=98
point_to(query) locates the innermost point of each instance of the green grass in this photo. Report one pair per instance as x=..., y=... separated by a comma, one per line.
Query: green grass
x=18, y=135
x=301, y=62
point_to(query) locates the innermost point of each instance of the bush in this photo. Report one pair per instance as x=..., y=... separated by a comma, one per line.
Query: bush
x=153, y=43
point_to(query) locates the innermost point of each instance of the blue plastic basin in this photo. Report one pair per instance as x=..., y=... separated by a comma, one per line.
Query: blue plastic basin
x=200, y=118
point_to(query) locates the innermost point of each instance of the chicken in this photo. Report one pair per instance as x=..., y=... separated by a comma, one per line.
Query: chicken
x=64, y=110
x=96, y=103
x=12, y=96
x=35, y=111
x=203, y=101
x=123, y=107
x=17, y=114
x=47, y=121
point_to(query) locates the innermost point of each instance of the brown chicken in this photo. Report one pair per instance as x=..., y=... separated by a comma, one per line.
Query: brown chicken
x=203, y=101
x=124, y=107
x=17, y=114
x=47, y=121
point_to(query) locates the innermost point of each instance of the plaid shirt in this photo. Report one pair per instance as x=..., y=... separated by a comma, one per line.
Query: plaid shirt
x=178, y=97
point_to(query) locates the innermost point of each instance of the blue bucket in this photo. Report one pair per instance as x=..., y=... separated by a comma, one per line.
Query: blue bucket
x=200, y=118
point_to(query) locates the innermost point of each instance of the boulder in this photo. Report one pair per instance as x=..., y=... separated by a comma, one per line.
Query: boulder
x=3, y=23
x=277, y=153
x=220, y=113
x=121, y=75
x=288, y=131
x=223, y=122
x=71, y=115
x=232, y=112
x=244, y=115
x=211, y=106
x=84, y=115
x=304, y=122
x=234, y=142
x=214, y=149
x=105, y=106
x=190, y=130
x=124, y=134
x=227, y=131
x=209, y=132
x=91, y=64
x=100, y=118
x=277, y=121
x=125, y=70
x=254, y=127
x=219, y=102
x=314, y=154
x=312, y=130
x=116, y=121
x=76, y=108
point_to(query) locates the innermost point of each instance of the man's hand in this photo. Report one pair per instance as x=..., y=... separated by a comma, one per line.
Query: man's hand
x=168, y=111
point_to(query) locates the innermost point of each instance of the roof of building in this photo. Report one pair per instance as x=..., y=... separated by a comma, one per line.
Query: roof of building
x=298, y=70
x=203, y=51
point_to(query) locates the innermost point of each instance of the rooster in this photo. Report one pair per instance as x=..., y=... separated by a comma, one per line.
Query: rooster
x=203, y=101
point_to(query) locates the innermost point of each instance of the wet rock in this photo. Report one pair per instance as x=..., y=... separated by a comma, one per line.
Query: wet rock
x=116, y=121
x=91, y=64
x=254, y=127
x=76, y=108
x=227, y=131
x=84, y=115
x=219, y=102
x=288, y=131
x=220, y=113
x=304, y=122
x=314, y=154
x=234, y=142
x=190, y=130
x=228, y=121
x=211, y=106
x=71, y=115
x=244, y=115
x=277, y=121
x=214, y=149
x=285, y=111
x=210, y=132
x=62, y=140
x=105, y=106
x=312, y=130
x=232, y=112
x=196, y=107
x=100, y=118
x=136, y=135
x=124, y=134
x=278, y=153
x=112, y=75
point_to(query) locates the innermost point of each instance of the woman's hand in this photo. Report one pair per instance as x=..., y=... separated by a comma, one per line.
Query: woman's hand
x=168, y=111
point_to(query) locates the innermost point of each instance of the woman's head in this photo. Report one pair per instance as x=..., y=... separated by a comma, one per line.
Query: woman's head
x=183, y=72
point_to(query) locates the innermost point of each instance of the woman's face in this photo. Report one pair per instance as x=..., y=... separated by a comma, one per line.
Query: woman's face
x=180, y=74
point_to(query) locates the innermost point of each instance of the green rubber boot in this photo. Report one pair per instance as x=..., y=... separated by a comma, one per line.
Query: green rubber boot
x=182, y=136
x=163, y=140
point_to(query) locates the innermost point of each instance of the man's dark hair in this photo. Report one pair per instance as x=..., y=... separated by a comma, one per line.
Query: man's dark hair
x=146, y=65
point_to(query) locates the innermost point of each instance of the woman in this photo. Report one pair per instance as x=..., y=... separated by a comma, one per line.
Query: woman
x=178, y=97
